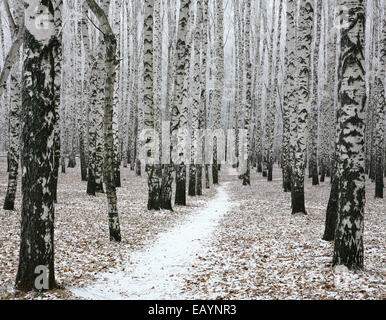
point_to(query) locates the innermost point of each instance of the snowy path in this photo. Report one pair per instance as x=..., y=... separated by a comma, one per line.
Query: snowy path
x=157, y=273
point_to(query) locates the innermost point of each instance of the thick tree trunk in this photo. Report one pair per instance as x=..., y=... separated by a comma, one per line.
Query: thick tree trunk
x=348, y=246
x=37, y=154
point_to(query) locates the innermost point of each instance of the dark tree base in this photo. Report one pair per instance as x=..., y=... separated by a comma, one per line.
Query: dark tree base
x=180, y=198
x=83, y=176
x=99, y=187
x=9, y=203
x=265, y=174
x=166, y=188
x=166, y=204
x=63, y=165
x=347, y=252
x=28, y=285
x=331, y=213
x=315, y=179
x=154, y=187
x=117, y=178
x=323, y=176
x=192, y=181
x=322, y=172
x=138, y=170
x=207, y=182
x=247, y=179
x=270, y=172
x=215, y=172
x=71, y=162
x=115, y=236
x=379, y=182
x=199, y=180
x=298, y=206
x=91, y=187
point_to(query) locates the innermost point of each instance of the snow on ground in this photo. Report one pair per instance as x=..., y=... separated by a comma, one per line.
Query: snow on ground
x=260, y=251
x=157, y=272
x=82, y=247
x=235, y=242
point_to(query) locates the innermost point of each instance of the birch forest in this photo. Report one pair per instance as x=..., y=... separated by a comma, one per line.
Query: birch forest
x=192, y=149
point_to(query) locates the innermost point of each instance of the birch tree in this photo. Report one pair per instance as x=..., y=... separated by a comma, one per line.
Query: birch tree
x=153, y=167
x=14, y=114
x=302, y=94
x=37, y=152
x=111, y=64
x=348, y=245
x=179, y=111
x=289, y=95
x=248, y=104
x=194, y=163
x=314, y=109
x=219, y=84
x=167, y=173
x=204, y=102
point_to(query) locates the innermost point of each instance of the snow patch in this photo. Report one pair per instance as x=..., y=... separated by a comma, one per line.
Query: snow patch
x=158, y=272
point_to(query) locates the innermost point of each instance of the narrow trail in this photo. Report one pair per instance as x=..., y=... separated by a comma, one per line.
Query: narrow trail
x=157, y=272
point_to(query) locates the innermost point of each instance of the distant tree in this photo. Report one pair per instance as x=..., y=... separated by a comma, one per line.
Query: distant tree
x=380, y=103
x=219, y=83
x=153, y=168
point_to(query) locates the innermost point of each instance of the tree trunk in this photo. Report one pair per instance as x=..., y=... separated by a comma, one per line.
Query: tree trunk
x=304, y=37
x=153, y=168
x=348, y=246
x=219, y=83
x=13, y=152
x=180, y=104
x=380, y=108
x=110, y=45
x=37, y=154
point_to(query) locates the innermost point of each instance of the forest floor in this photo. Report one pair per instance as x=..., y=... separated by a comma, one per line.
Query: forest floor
x=235, y=242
